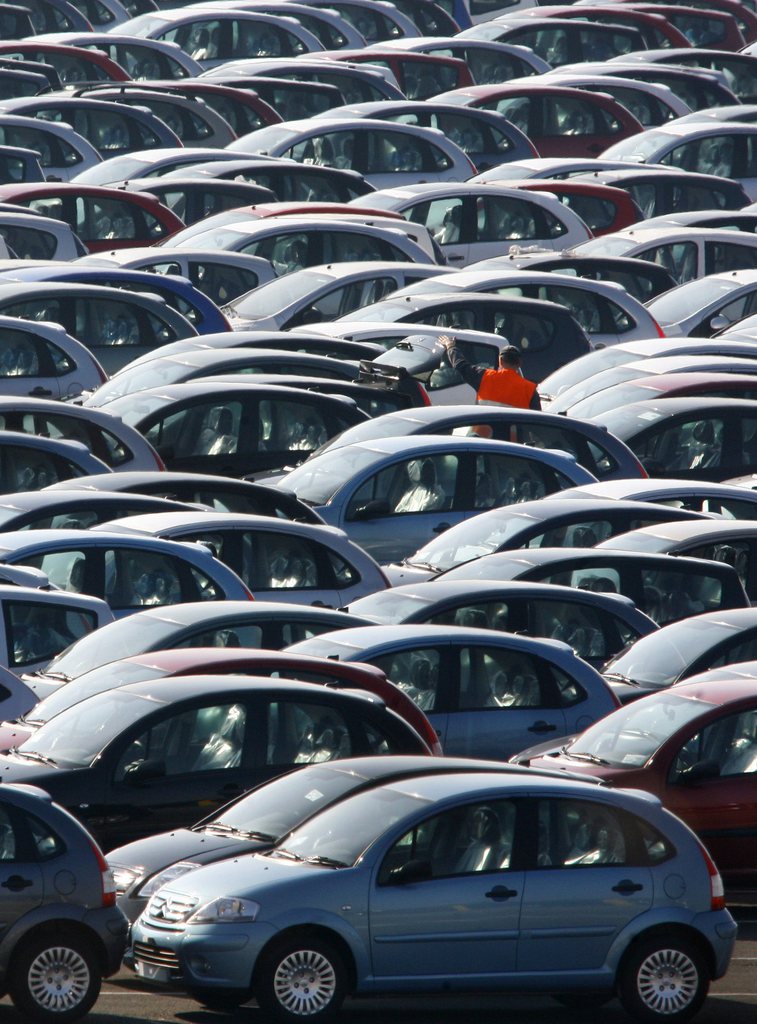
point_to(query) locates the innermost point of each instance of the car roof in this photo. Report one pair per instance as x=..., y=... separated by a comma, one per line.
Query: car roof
x=708, y=530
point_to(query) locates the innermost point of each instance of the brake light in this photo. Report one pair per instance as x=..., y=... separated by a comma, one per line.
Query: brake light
x=106, y=877
x=717, y=892
x=100, y=371
x=424, y=394
x=660, y=332
x=160, y=464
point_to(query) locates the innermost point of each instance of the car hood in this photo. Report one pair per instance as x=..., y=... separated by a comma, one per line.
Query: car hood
x=13, y=735
x=398, y=573
x=153, y=853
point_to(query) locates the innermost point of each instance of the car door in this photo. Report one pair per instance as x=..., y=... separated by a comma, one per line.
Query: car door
x=575, y=127
x=449, y=221
x=395, y=510
x=35, y=631
x=26, y=366
x=590, y=880
x=427, y=675
x=178, y=767
x=447, y=886
x=21, y=876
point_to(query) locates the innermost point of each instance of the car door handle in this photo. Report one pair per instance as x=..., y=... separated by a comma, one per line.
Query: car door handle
x=441, y=528
x=499, y=893
x=454, y=259
x=542, y=727
x=627, y=886
x=40, y=392
x=16, y=883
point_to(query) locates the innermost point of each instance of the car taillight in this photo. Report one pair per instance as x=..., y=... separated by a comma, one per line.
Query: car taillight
x=660, y=332
x=100, y=372
x=424, y=394
x=717, y=892
x=160, y=464
x=106, y=877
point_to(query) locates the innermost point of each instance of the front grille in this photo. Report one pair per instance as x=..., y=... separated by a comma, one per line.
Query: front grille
x=155, y=955
x=171, y=908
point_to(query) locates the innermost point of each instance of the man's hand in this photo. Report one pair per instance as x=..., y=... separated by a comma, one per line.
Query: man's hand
x=446, y=341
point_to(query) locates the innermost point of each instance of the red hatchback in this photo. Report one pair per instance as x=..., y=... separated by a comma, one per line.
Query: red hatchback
x=74, y=64
x=694, y=745
x=103, y=218
x=559, y=120
x=224, y=660
x=419, y=75
x=602, y=208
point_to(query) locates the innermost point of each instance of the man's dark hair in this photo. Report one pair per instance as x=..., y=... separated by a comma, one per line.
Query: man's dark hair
x=510, y=356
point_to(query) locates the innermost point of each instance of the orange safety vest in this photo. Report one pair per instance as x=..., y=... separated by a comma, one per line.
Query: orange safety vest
x=506, y=387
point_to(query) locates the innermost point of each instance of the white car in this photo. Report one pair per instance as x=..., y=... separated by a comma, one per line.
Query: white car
x=39, y=359
x=471, y=221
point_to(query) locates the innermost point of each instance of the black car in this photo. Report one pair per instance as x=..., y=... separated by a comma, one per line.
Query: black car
x=193, y=198
x=288, y=180
x=139, y=759
x=662, y=587
x=63, y=509
x=233, y=430
x=664, y=190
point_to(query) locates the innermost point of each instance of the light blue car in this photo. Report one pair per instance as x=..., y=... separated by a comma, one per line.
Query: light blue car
x=391, y=494
x=452, y=883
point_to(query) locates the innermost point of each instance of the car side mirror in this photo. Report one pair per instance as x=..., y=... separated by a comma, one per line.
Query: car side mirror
x=144, y=771
x=412, y=871
x=699, y=772
x=371, y=510
x=719, y=322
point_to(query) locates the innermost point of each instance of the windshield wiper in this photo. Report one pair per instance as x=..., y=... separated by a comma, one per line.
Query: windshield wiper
x=422, y=565
x=618, y=677
x=584, y=755
x=286, y=854
x=327, y=862
x=34, y=755
x=54, y=675
x=238, y=833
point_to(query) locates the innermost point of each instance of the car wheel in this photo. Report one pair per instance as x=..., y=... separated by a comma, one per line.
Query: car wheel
x=54, y=979
x=303, y=979
x=663, y=980
x=223, y=1001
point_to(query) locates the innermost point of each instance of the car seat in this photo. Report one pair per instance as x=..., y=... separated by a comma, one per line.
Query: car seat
x=223, y=748
x=423, y=493
x=485, y=849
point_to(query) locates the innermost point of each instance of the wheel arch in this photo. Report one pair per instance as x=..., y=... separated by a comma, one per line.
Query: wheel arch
x=57, y=932
x=669, y=934
x=311, y=932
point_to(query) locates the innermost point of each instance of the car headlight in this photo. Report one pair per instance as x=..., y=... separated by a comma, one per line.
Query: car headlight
x=233, y=909
x=125, y=876
x=152, y=885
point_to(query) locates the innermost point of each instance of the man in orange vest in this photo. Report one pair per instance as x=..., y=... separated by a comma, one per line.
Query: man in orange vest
x=503, y=386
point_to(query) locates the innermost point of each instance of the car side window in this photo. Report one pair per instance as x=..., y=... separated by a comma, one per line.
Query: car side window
x=500, y=218
x=18, y=355
x=141, y=579
x=578, y=625
x=390, y=151
x=416, y=673
x=726, y=747
x=494, y=678
x=238, y=635
x=481, y=615
x=47, y=843
x=442, y=217
x=203, y=739
x=474, y=838
x=672, y=594
x=8, y=837
x=584, y=534
x=745, y=650
x=682, y=446
x=38, y=631
x=299, y=732
x=581, y=833
x=278, y=561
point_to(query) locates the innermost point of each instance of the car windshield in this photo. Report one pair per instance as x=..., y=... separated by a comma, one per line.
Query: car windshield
x=629, y=737
x=679, y=303
x=340, y=834
x=105, y=677
x=389, y=606
x=606, y=246
x=580, y=369
x=660, y=658
x=266, y=139
x=74, y=738
x=276, y=295
x=276, y=808
x=473, y=538
x=153, y=374
x=611, y=398
x=212, y=238
x=318, y=481
x=638, y=147
x=115, y=640
x=132, y=409
x=380, y=312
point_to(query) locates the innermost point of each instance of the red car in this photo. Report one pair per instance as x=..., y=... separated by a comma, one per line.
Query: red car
x=213, y=660
x=602, y=208
x=74, y=64
x=655, y=29
x=694, y=745
x=559, y=120
x=419, y=75
x=103, y=218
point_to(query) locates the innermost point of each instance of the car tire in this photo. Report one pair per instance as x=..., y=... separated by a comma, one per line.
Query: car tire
x=220, y=1000
x=663, y=979
x=302, y=980
x=54, y=978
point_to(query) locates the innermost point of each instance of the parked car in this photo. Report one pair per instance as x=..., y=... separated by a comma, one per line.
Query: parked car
x=420, y=76
x=219, y=274
x=672, y=385
x=602, y=208
x=656, y=29
x=62, y=151
x=691, y=746
x=193, y=198
x=220, y=661
x=114, y=324
x=594, y=449
x=568, y=522
x=79, y=936
x=697, y=87
x=560, y=120
x=668, y=189
x=355, y=83
x=288, y=561
x=560, y=40
x=487, y=138
x=458, y=674
x=640, y=279
x=606, y=313
x=736, y=68
x=29, y=462
x=471, y=221
x=101, y=218
x=39, y=359
x=700, y=308
x=701, y=438
x=489, y=62
x=688, y=252
x=201, y=739
x=726, y=500
x=128, y=571
x=649, y=102
x=658, y=585
x=291, y=97
x=136, y=58
x=355, y=833
x=221, y=493
x=597, y=626
x=66, y=509
x=389, y=494
x=16, y=162
x=27, y=237
x=73, y=64
x=205, y=426
x=148, y=163
x=386, y=155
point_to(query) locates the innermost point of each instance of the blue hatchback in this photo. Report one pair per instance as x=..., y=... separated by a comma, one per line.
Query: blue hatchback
x=452, y=883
